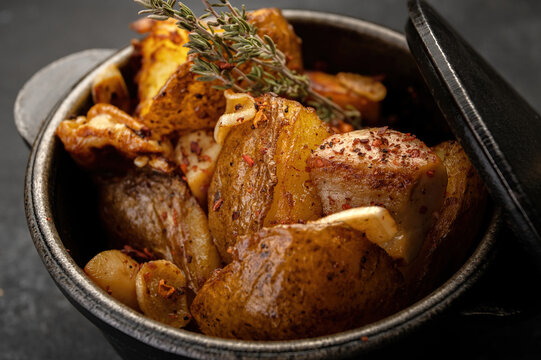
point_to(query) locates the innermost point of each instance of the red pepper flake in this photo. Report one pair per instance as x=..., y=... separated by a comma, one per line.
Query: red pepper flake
x=377, y=143
x=175, y=217
x=346, y=206
x=414, y=153
x=250, y=190
x=225, y=65
x=263, y=151
x=364, y=338
x=430, y=173
x=164, y=215
x=364, y=141
x=248, y=160
x=195, y=148
x=218, y=204
x=164, y=290
x=382, y=130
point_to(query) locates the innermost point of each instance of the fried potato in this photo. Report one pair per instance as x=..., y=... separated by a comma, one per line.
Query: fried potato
x=115, y=272
x=362, y=92
x=105, y=131
x=184, y=103
x=109, y=87
x=298, y=281
x=161, y=293
x=157, y=211
x=457, y=226
x=161, y=54
x=196, y=154
x=384, y=168
x=260, y=177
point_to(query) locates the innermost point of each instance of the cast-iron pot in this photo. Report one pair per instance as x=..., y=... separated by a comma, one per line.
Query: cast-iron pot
x=62, y=214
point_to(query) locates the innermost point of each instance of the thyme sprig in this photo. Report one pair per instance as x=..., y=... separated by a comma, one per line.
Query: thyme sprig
x=227, y=41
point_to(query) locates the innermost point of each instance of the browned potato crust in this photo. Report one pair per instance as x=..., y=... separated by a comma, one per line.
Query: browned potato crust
x=158, y=212
x=457, y=226
x=298, y=281
x=184, y=103
x=260, y=177
x=109, y=87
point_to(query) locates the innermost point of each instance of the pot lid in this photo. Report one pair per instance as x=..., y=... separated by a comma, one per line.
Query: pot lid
x=499, y=131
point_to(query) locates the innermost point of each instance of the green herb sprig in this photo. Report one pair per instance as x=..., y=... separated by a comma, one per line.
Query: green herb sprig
x=227, y=41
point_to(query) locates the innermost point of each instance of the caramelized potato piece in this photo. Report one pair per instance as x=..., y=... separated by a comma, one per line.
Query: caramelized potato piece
x=384, y=168
x=115, y=272
x=109, y=87
x=107, y=130
x=362, y=92
x=158, y=212
x=161, y=52
x=161, y=293
x=184, y=103
x=299, y=281
x=196, y=154
x=456, y=227
x=260, y=177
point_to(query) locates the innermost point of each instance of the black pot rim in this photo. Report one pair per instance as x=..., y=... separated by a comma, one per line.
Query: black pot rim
x=82, y=291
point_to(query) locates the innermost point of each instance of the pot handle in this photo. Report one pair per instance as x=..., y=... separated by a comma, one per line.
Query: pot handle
x=41, y=93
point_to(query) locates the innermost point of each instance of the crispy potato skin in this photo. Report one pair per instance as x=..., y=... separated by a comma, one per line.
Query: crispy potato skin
x=157, y=211
x=329, y=86
x=182, y=104
x=161, y=53
x=271, y=22
x=457, y=226
x=105, y=131
x=260, y=177
x=298, y=281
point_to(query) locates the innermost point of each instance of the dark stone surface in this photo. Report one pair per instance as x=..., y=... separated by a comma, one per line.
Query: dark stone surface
x=37, y=322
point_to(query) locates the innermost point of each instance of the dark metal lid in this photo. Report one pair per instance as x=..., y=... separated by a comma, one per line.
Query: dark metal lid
x=499, y=131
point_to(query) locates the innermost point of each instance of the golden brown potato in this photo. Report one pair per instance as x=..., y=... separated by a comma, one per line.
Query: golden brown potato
x=298, y=281
x=196, y=154
x=109, y=87
x=384, y=168
x=115, y=273
x=161, y=53
x=184, y=103
x=261, y=177
x=161, y=293
x=347, y=89
x=157, y=211
x=458, y=224
x=107, y=136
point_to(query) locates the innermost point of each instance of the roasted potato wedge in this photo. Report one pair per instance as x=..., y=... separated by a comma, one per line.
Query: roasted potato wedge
x=157, y=211
x=109, y=87
x=298, y=281
x=161, y=293
x=161, y=54
x=385, y=168
x=107, y=137
x=115, y=272
x=182, y=104
x=196, y=154
x=260, y=177
x=363, y=93
x=457, y=226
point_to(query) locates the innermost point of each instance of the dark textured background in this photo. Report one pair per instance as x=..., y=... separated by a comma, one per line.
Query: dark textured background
x=37, y=322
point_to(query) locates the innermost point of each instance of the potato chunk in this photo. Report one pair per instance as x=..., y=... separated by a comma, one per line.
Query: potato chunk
x=298, y=281
x=161, y=293
x=109, y=87
x=115, y=272
x=161, y=53
x=156, y=211
x=260, y=177
x=457, y=226
x=385, y=168
x=196, y=154
x=108, y=130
